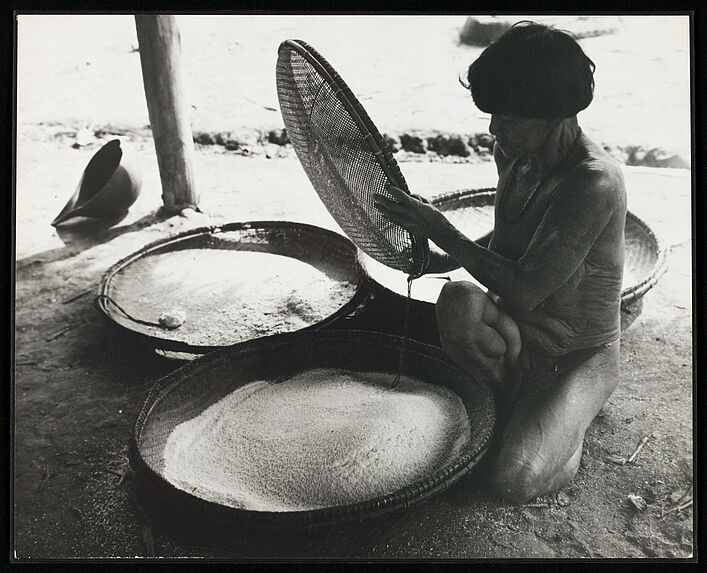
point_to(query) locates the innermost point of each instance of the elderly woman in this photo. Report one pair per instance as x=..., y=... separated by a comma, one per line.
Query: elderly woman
x=546, y=333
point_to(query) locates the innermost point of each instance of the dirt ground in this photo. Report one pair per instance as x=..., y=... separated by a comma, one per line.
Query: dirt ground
x=78, y=387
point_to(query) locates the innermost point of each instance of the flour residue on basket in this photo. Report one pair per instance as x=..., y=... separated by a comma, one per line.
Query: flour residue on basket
x=228, y=296
x=323, y=438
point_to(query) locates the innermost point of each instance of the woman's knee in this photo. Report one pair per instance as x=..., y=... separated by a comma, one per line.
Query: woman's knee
x=460, y=305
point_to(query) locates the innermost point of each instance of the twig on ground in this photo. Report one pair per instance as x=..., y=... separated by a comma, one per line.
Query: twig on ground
x=634, y=455
x=679, y=243
x=268, y=107
x=688, y=503
x=63, y=331
x=77, y=296
x=614, y=459
x=56, y=335
x=45, y=479
x=680, y=507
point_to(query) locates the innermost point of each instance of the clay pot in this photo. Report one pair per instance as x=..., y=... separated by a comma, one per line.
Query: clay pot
x=109, y=186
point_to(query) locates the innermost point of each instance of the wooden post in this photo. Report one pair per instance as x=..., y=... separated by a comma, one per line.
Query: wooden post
x=160, y=54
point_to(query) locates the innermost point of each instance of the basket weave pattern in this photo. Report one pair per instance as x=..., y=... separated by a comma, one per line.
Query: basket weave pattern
x=344, y=155
x=191, y=389
x=322, y=248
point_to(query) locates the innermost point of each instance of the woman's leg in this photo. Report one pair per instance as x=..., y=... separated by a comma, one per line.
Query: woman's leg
x=541, y=445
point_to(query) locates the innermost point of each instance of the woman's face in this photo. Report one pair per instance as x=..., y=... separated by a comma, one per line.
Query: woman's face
x=518, y=136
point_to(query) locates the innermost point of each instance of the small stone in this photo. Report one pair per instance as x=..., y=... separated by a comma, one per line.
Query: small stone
x=485, y=141
x=173, y=318
x=448, y=145
x=84, y=137
x=231, y=144
x=278, y=136
x=204, y=138
x=563, y=500
x=392, y=142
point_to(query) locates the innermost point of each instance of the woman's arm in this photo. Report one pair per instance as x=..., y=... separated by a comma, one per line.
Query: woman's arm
x=441, y=262
x=560, y=244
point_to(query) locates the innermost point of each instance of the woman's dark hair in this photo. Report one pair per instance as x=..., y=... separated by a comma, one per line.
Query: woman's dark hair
x=532, y=71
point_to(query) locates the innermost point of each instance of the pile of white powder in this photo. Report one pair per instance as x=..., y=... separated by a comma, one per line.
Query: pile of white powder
x=229, y=296
x=323, y=438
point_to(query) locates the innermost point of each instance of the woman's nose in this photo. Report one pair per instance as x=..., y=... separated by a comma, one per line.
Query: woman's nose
x=493, y=126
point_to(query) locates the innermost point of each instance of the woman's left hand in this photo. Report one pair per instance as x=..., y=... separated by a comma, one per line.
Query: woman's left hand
x=414, y=215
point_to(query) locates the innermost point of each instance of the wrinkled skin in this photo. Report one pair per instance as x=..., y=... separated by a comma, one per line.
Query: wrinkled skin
x=553, y=269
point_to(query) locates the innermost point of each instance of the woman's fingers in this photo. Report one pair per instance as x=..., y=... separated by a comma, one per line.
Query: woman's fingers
x=401, y=209
x=378, y=198
x=379, y=201
x=392, y=214
x=398, y=194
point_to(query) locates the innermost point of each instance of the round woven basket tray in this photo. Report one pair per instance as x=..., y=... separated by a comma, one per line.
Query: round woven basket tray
x=471, y=210
x=191, y=389
x=207, y=273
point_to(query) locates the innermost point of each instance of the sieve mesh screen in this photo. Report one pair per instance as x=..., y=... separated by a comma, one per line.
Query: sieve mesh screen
x=344, y=156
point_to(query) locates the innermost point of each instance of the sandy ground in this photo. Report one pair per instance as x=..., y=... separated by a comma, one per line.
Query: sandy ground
x=91, y=69
x=78, y=388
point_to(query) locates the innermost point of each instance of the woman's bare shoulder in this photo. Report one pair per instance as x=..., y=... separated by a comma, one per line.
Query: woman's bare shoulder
x=599, y=170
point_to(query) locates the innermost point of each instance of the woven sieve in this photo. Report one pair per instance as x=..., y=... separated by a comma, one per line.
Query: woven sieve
x=344, y=156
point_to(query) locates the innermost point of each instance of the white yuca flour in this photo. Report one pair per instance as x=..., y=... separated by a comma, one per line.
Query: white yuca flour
x=229, y=296
x=325, y=437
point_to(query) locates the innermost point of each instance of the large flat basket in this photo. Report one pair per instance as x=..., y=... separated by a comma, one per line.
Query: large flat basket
x=188, y=391
x=233, y=282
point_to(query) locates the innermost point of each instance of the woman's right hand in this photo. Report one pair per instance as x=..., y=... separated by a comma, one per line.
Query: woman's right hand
x=440, y=262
